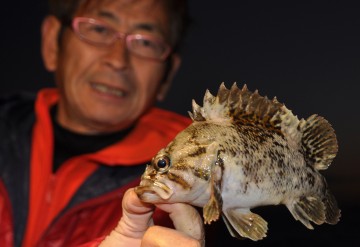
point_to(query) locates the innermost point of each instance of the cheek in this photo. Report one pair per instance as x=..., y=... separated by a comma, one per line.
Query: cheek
x=75, y=59
x=150, y=76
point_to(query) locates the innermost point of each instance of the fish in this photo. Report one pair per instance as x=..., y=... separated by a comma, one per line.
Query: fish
x=242, y=151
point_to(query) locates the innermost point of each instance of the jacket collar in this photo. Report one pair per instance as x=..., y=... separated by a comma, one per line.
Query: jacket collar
x=152, y=132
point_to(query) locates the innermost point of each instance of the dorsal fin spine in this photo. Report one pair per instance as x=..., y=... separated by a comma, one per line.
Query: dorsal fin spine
x=314, y=135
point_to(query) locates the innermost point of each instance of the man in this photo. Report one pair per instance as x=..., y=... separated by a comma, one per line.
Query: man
x=68, y=156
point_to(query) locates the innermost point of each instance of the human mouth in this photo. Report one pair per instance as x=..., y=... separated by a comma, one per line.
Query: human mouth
x=102, y=88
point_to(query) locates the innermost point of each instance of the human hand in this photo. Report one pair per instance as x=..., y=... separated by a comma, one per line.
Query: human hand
x=136, y=227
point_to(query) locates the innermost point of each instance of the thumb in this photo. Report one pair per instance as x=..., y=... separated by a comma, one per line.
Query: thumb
x=136, y=219
x=186, y=219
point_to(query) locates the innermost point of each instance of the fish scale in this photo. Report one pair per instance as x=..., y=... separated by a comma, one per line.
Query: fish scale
x=242, y=151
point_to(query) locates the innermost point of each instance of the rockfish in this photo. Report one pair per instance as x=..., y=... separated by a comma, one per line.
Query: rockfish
x=242, y=151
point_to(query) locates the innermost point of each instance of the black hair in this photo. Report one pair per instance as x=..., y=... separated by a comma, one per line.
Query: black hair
x=65, y=10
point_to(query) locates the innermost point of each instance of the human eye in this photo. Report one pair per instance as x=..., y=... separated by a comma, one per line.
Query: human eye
x=147, y=46
x=150, y=44
x=139, y=42
x=100, y=30
x=96, y=32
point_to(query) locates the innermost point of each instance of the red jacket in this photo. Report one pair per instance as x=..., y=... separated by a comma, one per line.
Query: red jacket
x=56, y=214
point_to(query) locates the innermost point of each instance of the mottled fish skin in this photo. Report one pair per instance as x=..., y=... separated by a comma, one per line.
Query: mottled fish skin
x=242, y=151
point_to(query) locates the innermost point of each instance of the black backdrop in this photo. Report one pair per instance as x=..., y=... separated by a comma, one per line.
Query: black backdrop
x=306, y=54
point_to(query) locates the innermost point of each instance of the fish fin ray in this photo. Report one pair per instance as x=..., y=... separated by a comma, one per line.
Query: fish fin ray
x=306, y=209
x=318, y=141
x=243, y=106
x=231, y=229
x=196, y=115
x=332, y=213
x=246, y=224
x=212, y=208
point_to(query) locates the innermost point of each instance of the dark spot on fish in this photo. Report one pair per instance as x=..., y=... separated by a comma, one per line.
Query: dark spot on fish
x=298, y=128
x=219, y=162
x=278, y=144
x=232, y=151
x=246, y=187
x=310, y=179
x=201, y=173
x=272, y=155
x=281, y=173
x=177, y=179
x=181, y=165
x=197, y=152
x=309, y=157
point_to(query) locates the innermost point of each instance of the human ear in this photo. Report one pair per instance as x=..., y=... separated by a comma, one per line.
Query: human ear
x=49, y=42
x=175, y=62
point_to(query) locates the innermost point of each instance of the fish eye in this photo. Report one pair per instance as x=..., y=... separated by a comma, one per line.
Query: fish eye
x=162, y=164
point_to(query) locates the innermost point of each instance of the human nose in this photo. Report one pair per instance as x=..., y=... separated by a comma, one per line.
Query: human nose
x=117, y=55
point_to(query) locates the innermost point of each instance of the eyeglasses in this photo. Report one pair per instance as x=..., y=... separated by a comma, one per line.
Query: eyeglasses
x=98, y=33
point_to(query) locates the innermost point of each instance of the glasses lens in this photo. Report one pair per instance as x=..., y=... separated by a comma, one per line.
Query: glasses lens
x=147, y=46
x=96, y=33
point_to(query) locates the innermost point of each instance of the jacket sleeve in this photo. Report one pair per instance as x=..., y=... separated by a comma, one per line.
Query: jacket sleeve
x=6, y=233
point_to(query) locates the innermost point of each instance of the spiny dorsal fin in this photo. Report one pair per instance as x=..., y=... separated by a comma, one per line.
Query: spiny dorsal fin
x=243, y=106
x=319, y=141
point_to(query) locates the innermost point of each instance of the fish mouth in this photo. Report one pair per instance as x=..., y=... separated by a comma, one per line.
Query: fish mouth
x=153, y=191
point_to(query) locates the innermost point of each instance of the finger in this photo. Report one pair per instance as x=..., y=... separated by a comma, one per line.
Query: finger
x=133, y=224
x=169, y=237
x=137, y=215
x=185, y=219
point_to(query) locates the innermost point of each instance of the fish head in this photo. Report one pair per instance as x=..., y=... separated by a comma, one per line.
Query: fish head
x=180, y=172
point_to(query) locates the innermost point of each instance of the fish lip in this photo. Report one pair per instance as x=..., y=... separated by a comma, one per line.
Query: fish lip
x=153, y=187
x=141, y=190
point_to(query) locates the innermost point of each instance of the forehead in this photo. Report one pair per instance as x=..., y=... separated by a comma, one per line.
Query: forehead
x=152, y=12
x=91, y=5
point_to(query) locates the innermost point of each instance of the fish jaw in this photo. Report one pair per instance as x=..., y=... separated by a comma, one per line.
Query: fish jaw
x=153, y=191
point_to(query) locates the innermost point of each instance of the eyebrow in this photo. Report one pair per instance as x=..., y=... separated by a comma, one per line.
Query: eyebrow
x=140, y=26
x=108, y=15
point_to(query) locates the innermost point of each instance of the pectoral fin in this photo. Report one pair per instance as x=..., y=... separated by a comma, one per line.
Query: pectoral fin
x=212, y=208
x=243, y=223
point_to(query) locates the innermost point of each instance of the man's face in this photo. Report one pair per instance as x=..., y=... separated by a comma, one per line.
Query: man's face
x=106, y=89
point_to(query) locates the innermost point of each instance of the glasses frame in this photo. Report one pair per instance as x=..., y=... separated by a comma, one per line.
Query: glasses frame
x=119, y=35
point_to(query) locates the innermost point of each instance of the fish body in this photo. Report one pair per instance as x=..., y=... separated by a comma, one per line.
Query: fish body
x=243, y=151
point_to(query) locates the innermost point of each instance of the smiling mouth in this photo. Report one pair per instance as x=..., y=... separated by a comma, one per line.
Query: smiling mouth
x=108, y=89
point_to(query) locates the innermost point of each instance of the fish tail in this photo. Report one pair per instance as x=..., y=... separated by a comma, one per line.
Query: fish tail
x=314, y=208
x=318, y=141
x=332, y=212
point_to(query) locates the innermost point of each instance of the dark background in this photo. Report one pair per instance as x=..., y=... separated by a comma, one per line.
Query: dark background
x=306, y=54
